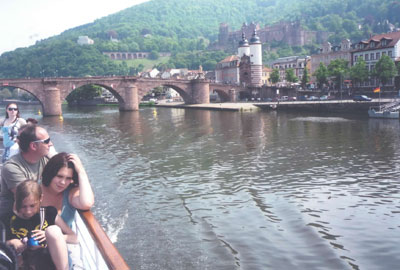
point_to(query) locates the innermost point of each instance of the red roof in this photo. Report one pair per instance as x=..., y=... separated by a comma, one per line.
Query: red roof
x=392, y=38
x=230, y=59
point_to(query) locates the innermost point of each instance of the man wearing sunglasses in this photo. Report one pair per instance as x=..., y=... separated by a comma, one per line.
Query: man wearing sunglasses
x=34, y=143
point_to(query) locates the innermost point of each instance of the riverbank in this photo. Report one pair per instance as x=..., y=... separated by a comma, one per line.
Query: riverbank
x=227, y=106
x=330, y=106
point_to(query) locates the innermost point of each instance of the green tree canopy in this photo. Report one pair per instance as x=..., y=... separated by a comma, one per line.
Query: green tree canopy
x=305, y=79
x=290, y=75
x=338, y=69
x=86, y=92
x=322, y=75
x=274, y=76
x=384, y=70
x=359, y=72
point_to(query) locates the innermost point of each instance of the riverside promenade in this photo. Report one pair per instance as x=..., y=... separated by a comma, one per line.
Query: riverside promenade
x=314, y=106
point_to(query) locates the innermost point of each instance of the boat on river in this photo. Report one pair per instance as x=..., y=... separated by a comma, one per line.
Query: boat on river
x=96, y=250
x=389, y=111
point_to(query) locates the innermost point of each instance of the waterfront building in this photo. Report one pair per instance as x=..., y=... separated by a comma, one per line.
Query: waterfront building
x=266, y=73
x=328, y=53
x=227, y=70
x=371, y=51
x=297, y=63
x=85, y=40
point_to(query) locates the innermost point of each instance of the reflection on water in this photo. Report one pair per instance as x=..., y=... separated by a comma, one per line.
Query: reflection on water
x=193, y=189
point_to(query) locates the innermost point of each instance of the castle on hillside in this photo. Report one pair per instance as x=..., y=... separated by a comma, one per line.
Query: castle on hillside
x=290, y=33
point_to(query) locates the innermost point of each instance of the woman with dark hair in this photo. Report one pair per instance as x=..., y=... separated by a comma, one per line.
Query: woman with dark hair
x=9, y=127
x=66, y=186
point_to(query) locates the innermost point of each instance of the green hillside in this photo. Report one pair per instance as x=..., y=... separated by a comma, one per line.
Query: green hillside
x=185, y=28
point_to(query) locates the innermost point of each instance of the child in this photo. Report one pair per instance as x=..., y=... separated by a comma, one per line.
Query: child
x=49, y=229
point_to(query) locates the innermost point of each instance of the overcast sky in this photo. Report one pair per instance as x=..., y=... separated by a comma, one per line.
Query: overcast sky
x=23, y=22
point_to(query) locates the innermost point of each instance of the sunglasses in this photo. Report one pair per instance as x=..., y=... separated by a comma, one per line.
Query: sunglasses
x=47, y=141
x=12, y=109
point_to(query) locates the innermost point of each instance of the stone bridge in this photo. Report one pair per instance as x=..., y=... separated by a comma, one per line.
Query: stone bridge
x=128, y=90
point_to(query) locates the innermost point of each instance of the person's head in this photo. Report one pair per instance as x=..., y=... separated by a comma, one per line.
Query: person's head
x=31, y=121
x=12, y=110
x=28, y=196
x=34, y=139
x=59, y=173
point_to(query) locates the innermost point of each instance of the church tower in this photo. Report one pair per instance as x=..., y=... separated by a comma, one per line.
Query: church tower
x=256, y=60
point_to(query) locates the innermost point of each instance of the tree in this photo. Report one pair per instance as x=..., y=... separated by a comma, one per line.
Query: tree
x=359, y=72
x=384, y=70
x=274, y=76
x=5, y=93
x=86, y=92
x=338, y=69
x=322, y=75
x=305, y=79
x=290, y=76
x=154, y=55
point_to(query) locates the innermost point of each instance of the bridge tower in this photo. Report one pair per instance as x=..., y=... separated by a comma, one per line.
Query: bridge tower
x=256, y=60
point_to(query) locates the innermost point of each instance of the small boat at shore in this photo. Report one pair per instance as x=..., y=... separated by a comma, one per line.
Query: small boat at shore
x=388, y=111
x=383, y=114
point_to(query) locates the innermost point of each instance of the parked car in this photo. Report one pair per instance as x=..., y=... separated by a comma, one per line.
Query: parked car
x=312, y=98
x=302, y=98
x=284, y=98
x=362, y=98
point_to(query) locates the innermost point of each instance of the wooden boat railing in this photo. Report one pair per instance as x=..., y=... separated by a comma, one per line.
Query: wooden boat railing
x=107, y=249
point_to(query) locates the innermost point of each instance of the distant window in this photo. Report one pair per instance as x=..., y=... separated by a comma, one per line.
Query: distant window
x=366, y=57
x=378, y=55
x=355, y=58
x=384, y=42
x=372, y=44
x=383, y=53
x=372, y=56
x=390, y=53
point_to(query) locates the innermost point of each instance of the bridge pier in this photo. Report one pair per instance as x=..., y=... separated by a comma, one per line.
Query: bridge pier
x=200, y=91
x=131, y=101
x=52, y=101
x=232, y=95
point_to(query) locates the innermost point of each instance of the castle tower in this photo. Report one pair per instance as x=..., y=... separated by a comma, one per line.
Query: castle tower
x=255, y=60
x=244, y=48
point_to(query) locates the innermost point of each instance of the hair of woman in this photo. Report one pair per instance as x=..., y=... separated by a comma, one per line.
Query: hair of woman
x=54, y=165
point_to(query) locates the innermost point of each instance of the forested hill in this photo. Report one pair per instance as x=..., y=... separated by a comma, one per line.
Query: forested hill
x=184, y=26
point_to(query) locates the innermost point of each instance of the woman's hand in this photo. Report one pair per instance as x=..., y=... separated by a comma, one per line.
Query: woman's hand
x=77, y=163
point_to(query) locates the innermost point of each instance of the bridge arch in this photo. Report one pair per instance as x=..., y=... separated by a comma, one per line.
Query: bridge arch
x=113, y=91
x=26, y=90
x=223, y=95
x=128, y=90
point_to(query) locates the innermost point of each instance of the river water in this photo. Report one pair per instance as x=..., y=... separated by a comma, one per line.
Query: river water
x=195, y=189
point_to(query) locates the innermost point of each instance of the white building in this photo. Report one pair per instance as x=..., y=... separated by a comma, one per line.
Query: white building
x=227, y=70
x=85, y=40
x=371, y=51
x=297, y=63
x=328, y=53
